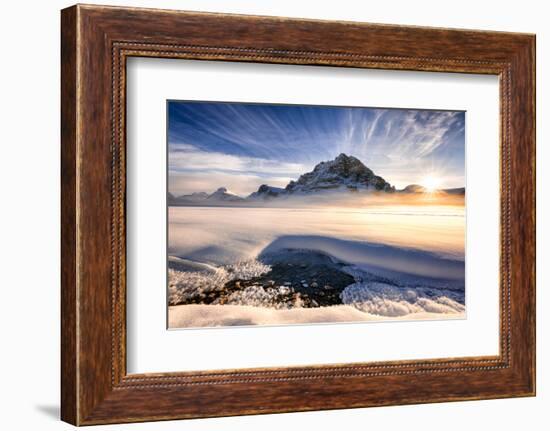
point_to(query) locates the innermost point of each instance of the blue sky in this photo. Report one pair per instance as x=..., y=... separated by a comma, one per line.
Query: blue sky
x=241, y=146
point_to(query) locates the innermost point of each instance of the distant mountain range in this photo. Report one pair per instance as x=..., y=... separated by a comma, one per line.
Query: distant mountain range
x=343, y=174
x=219, y=196
x=416, y=188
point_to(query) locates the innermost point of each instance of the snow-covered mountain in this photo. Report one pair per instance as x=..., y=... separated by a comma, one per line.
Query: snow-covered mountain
x=267, y=192
x=220, y=196
x=344, y=173
x=224, y=195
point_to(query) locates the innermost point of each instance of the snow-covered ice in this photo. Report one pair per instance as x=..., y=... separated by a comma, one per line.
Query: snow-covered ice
x=196, y=315
x=184, y=285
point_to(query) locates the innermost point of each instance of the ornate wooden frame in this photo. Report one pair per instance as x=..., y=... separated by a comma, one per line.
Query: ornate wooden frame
x=95, y=43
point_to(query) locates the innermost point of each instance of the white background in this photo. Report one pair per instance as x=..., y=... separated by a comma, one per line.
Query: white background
x=151, y=348
x=29, y=229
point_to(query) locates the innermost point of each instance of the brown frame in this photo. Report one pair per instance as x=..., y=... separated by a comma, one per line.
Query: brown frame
x=95, y=43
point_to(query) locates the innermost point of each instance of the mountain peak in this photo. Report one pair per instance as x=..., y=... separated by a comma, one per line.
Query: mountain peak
x=266, y=192
x=343, y=172
x=414, y=188
x=343, y=157
x=224, y=195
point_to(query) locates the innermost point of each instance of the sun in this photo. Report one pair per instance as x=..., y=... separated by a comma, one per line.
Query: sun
x=431, y=183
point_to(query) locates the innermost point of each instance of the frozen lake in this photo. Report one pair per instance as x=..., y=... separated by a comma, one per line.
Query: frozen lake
x=222, y=235
x=402, y=262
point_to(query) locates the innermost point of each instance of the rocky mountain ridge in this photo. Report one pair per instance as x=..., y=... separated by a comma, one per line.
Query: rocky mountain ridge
x=343, y=174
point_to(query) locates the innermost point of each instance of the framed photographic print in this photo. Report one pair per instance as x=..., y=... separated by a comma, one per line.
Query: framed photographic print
x=268, y=215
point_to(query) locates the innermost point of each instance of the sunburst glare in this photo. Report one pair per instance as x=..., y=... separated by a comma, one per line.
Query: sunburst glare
x=431, y=183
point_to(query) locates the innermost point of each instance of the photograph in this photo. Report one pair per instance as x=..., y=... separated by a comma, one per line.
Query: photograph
x=297, y=214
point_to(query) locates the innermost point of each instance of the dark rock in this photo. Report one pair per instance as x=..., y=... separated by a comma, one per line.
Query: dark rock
x=297, y=270
x=297, y=278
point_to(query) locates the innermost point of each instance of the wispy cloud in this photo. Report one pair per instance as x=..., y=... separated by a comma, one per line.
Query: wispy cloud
x=186, y=157
x=191, y=169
